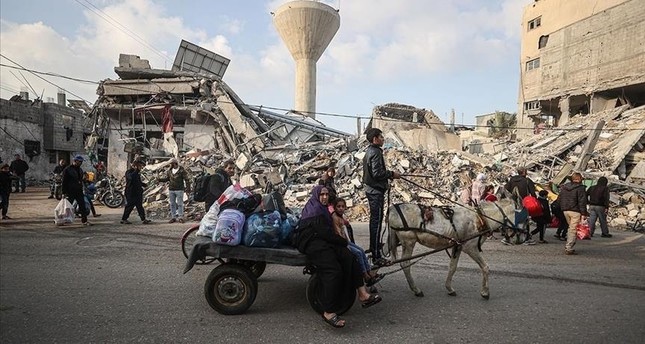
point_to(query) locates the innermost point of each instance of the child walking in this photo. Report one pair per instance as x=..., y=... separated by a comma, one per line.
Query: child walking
x=543, y=220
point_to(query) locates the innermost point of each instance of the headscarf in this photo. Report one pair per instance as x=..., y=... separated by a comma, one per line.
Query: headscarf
x=314, y=208
x=602, y=181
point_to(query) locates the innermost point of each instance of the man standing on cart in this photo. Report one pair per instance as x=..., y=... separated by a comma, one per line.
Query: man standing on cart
x=376, y=179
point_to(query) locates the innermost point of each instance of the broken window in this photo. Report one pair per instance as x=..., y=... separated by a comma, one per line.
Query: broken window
x=542, y=42
x=534, y=105
x=534, y=23
x=532, y=64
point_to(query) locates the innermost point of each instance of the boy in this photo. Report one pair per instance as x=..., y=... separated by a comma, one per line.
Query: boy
x=371, y=277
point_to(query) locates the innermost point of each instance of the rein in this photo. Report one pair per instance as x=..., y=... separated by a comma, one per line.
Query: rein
x=453, y=202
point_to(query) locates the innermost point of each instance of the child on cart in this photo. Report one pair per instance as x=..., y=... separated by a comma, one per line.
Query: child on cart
x=340, y=227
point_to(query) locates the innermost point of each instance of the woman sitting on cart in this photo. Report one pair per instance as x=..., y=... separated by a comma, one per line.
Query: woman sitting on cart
x=337, y=267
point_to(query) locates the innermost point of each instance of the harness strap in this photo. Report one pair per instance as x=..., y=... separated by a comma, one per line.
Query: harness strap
x=448, y=213
x=397, y=207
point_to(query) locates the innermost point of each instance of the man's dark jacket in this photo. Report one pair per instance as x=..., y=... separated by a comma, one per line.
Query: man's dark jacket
x=5, y=182
x=19, y=167
x=133, y=186
x=59, y=169
x=525, y=186
x=375, y=176
x=573, y=197
x=599, y=195
x=73, y=180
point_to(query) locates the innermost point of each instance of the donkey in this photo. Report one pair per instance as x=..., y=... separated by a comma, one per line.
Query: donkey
x=427, y=226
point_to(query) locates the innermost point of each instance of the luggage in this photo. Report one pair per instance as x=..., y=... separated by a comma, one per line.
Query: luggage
x=263, y=230
x=230, y=225
x=274, y=201
x=532, y=205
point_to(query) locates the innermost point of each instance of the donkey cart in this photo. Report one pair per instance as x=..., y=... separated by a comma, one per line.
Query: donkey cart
x=231, y=287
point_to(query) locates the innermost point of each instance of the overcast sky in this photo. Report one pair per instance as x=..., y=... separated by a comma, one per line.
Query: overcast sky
x=439, y=55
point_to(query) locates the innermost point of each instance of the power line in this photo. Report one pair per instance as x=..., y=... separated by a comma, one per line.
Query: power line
x=40, y=77
x=50, y=74
x=9, y=88
x=330, y=114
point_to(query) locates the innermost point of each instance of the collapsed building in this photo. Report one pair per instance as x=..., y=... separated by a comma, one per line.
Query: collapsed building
x=162, y=113
x=579, y=59
x=190, y=113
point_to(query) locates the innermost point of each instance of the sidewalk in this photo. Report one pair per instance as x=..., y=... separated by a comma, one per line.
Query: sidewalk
x=32, y=210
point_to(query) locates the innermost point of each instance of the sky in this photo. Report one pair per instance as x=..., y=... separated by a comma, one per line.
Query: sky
x=437, y=55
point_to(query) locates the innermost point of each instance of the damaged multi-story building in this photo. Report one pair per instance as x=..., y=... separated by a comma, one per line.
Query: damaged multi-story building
x=579, y=57
x=162, y=113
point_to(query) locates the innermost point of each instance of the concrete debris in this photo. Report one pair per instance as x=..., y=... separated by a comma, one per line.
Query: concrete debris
x=439, y=175
x=196, y=117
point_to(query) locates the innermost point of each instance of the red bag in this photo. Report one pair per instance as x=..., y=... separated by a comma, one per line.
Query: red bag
x=582, y=230
x=555, y=223
x=532, y=205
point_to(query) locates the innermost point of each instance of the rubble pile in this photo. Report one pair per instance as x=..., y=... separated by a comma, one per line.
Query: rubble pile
x=439, y=176
x=194, y=116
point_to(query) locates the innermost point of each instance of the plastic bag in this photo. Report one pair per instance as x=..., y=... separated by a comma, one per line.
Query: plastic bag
x=263, y=230
x=287, y=227
x=235, y=191
x=209, y=221
x=582, y=230
x=230, y=225
x=555, y=223
x=63, y=213
x=533, y=206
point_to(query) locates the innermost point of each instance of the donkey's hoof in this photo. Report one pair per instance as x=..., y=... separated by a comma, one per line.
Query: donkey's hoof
x=419, y=294
x=486, y=296
x=452, y=293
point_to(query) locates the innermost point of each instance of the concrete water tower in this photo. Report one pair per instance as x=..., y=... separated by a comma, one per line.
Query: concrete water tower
x=306, y=27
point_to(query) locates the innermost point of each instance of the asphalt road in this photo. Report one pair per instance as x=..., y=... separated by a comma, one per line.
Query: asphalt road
x=124, y=284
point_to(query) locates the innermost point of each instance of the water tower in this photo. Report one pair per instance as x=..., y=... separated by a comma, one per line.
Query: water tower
x=306, y=27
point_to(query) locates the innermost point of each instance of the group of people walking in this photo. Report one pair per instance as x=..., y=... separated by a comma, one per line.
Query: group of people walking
x=574, y=204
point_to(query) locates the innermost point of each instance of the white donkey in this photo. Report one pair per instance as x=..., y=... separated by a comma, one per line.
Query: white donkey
x=432, y=227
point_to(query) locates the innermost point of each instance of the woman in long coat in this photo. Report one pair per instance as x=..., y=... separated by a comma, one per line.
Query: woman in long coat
x=337, y=267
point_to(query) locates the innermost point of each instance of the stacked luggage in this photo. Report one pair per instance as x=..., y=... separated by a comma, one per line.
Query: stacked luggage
x=240, y=217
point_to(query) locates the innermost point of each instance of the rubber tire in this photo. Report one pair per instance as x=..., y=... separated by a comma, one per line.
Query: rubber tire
x=236, y=280
x=187, y=243
x=116, y=194
x=257, y=268
x=313, y=286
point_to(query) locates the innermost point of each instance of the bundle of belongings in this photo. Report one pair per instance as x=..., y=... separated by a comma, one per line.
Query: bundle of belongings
x=241, y=217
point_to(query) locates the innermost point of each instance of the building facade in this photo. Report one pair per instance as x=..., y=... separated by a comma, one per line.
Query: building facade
x=42, y=133
x=579, y=57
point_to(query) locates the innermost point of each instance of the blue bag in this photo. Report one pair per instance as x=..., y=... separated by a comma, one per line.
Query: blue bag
x=263, y=230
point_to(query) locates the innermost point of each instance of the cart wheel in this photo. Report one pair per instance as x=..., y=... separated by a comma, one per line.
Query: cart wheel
x=313, y=296
x=188, y=242
x=257, y=268
x=231, y=289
